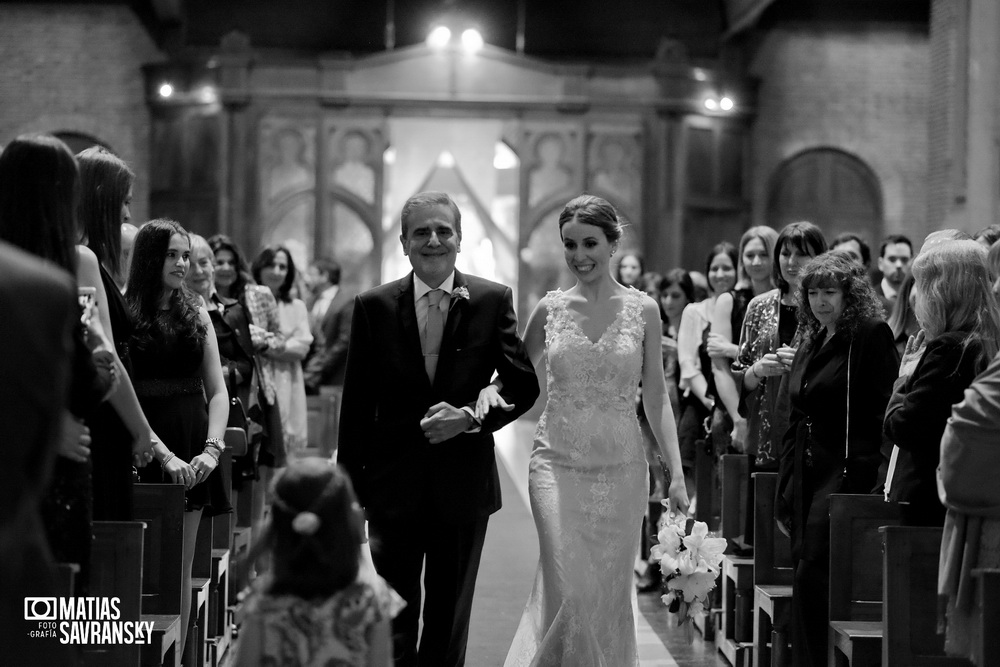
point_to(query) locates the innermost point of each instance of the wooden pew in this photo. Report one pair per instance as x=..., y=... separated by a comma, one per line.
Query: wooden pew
x=65, y=579
x=909, y=609
x=116, y=555
x=218, y=630
x=772, y=577
x=855, y=635
x=735, y=640
x=989, y=622
x=161, y=508
x=323, y=414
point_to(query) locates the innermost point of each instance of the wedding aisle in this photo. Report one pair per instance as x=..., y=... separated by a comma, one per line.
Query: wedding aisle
x=508, y=568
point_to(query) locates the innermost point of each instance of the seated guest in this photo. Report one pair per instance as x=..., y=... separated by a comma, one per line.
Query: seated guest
x=893, y=268
x=840, y=380
x=967, y=486
x=960, y=324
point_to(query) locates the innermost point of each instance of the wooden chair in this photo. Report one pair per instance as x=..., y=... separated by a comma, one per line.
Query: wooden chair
x=735, y=640
x=855, y=635
x=116, y=555
x=161, y=508
x=909, y=609
x=989, y=587
x=772, y=578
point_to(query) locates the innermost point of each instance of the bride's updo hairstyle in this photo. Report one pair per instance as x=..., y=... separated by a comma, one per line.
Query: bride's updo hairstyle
x=591, y=210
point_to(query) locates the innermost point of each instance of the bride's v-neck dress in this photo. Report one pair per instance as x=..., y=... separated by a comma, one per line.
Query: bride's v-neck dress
x=588, y=484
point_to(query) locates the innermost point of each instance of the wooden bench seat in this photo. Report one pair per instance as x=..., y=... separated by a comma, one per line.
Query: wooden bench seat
x=855, y=634
x=772, y=576
x=909, y=610
x=166, y=641
x=116, y=554
x=735, y=638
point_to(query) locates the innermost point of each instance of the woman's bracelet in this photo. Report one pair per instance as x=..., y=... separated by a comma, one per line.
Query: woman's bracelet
x=166, y=459
x=215, y=442
x=208, y=450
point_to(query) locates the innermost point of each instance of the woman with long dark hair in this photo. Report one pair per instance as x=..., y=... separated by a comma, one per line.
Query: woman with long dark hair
x=121, y=428
x=275, y=270
x=178, y=377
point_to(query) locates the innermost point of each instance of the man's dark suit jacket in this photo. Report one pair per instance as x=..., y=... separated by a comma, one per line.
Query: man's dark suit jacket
x=328, y=363
x=395, y=470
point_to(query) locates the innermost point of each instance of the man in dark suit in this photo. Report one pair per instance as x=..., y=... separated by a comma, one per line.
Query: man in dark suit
x=894, y=267
x=423, y=466
x=40, y=309
x=330, y=321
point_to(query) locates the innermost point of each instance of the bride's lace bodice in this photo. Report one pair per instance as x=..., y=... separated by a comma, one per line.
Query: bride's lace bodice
x=589, y=483
x=592, y=385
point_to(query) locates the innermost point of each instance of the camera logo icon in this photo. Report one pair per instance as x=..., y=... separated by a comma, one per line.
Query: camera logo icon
x=40, y=609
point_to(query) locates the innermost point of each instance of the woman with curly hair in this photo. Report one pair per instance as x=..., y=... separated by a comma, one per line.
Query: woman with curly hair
x=178, y=378
x=840, y=381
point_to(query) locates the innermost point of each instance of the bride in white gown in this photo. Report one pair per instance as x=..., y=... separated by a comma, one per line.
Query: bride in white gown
x=588, y=476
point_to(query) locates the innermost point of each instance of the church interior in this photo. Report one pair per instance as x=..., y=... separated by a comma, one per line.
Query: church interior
x=309, y=123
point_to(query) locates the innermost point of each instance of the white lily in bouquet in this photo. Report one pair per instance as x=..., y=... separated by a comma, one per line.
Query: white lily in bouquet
x=690, y=561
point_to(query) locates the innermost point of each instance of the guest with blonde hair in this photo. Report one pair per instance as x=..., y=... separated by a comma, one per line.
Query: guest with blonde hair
x=960, y=329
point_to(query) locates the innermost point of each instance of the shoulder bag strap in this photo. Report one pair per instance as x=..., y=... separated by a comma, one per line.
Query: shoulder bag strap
x=847, y=429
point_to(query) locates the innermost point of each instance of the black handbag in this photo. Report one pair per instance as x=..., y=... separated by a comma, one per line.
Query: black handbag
x=237, y=414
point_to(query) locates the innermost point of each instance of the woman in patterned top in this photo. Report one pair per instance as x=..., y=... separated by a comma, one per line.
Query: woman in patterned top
x=317, y=605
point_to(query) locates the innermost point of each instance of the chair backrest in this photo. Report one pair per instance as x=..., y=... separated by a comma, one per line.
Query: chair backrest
x=116, y=571
x=856, y=554
x=161, y=508
x=735, y=479
x=909, y=609
x=772, y=551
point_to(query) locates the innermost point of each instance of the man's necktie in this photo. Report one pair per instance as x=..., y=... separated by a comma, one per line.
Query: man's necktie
x=433, y=331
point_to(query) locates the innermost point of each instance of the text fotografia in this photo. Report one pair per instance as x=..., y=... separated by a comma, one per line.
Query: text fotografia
x=84, y=620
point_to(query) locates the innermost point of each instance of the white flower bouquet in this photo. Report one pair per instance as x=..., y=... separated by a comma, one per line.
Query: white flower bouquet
x=690, y=561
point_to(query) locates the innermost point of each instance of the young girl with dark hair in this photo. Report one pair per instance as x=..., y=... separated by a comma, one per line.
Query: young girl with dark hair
x=178, y=378
x=316, y=605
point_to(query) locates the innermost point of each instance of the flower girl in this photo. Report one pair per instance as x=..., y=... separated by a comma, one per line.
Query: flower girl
x=317, y=605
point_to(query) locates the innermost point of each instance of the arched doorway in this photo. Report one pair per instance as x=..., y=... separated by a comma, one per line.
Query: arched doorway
x=829, y=187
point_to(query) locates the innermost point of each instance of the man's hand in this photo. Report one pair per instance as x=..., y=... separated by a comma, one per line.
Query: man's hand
x=443, y=422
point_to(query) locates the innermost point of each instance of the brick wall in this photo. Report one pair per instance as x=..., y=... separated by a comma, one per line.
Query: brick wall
x=78, y=68
x=862, y=89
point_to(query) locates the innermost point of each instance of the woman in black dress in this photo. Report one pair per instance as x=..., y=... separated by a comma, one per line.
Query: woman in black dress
x=840, y=381
x=120, y=430
x=178, y=378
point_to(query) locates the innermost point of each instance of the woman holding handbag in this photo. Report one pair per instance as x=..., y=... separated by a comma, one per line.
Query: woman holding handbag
x=840, y=381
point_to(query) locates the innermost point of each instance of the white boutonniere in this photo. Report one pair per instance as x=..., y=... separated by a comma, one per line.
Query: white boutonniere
x=457, y=294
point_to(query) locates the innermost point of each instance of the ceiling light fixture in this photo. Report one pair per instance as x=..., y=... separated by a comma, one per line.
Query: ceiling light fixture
x=439, y=37
x=711, y=104
x=166, y=90
x=726, y=104
x=472, y=41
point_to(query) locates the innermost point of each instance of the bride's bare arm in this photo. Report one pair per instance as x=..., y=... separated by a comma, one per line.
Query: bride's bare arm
x=656, y=404
x=534, y=344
